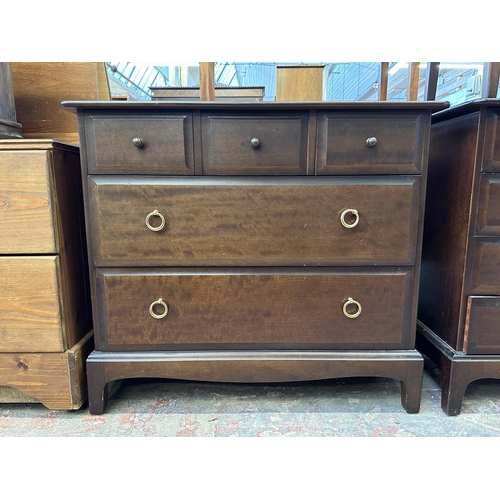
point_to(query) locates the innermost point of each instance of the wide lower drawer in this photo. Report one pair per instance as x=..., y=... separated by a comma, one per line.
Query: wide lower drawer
x=30, y=305
x=254, y=221
x=365, y=143
x=254, y=308
x=482, y=332
x=135, y=143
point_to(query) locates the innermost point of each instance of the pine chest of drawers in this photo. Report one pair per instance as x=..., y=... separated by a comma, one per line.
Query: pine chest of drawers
x=45, y=312
x=257, y=242
x=459, y=311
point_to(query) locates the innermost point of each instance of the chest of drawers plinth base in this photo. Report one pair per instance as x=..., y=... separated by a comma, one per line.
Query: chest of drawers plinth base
x=257, y=242
x=255, y=367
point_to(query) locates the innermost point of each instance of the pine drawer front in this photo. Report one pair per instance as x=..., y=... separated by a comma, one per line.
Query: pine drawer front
x=485, y=270
x=255, y=308
x=481, y=325
x=374, y=143
x=488, y=212
x=26, y=207
x=30, y=305
x=254, y=143
x=491, y=158
x=153, y=143
x=254, y=221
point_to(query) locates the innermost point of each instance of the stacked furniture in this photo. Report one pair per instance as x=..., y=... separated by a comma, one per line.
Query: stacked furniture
x=459, y=306
x=45, y=314
x=254, y=242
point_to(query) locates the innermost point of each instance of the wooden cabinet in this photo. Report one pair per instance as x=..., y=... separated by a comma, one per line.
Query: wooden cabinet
x=459, y=312
x=253, y=268
x=45, y=313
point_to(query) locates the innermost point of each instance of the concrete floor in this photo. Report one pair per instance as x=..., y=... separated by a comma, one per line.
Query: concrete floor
x=342, y=407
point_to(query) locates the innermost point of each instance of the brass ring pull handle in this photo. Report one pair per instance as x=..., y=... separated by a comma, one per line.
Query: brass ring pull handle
x=155, y=213
x=138, y=142
x=371, y=142
x=160, y=303
x=255, y=142
x=349, y=211
x=350, y=301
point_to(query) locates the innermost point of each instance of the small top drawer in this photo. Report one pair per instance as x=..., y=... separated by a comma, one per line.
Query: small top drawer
x=254, y=143
x=140, y=143
x=370, y=143
x=491, y=159
x=488, y=212
x=26, y=205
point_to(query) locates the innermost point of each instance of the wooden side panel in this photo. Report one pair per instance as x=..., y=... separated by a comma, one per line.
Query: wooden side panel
x=446, y=226
x=482, y=326
x=73, y=258
x=254, y=221
x=254, y=308
x=30, y=305
x=39, y=88
x=26, y=204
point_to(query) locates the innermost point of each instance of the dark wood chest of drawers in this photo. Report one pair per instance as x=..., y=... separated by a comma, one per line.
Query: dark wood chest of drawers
x=459, y=310
x=257, y=242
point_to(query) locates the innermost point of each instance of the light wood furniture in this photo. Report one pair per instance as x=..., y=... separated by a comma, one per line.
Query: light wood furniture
x=39, y=88
x=459, y=309
x=258, y=242
x=45, y=315
x=300, y=83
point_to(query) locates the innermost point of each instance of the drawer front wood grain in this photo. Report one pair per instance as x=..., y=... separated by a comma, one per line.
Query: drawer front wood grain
x=254, y=221
x=488, y=213
x=491, y=159
x=481, y=325
x=154, y=143
x=253, y=308
x=26, y=203
x=395, y=143
x=30, y=305
x=256, y=143
x=485, y=272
